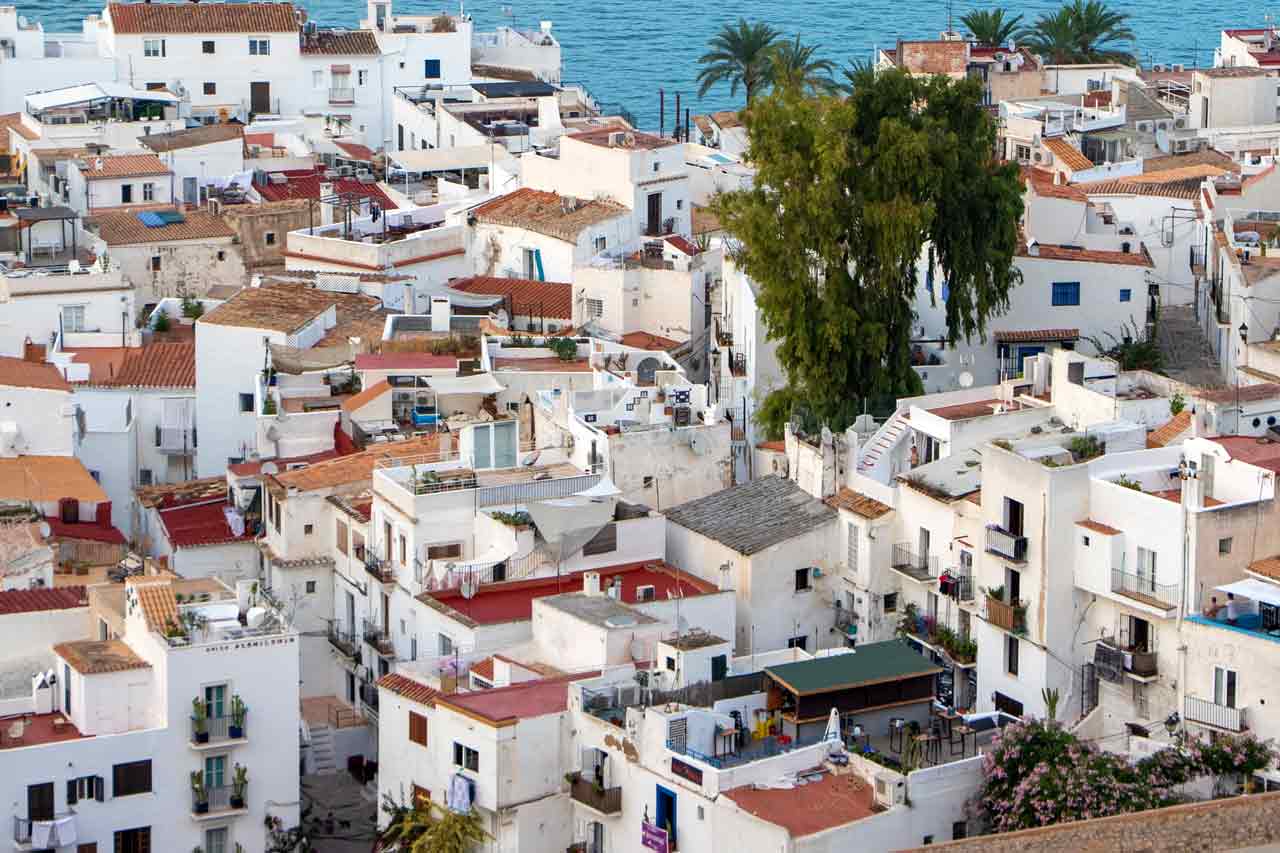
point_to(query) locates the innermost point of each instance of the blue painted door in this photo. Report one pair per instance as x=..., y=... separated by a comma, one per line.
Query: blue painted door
x=666, y=813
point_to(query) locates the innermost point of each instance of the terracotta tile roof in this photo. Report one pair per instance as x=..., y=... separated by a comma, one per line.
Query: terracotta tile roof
x=1068, y=155
x=94, y=657
x=287, y=307
x=649, y=341
x=1168, y=432
x=818, y=806
x=505, y=706
x=355, y=468
x=1195, y=171
x=1092, y=256
x=1234, y=71
x=340, y=43
x=964, y=411
x=38, y=600
x=155, y=597
x=44, y=479
x=858, y=503
x=1099, y=527
x=355, y=151
x=1267, y=567
x=1208, y=156
x=202, y=524
x=192, y=137
x=366, y=396
x=1252, y=449
x=634, y=140
x=19, y=373
x=103, y=362
x=201, y=18
x=1014, y=336
x=682, y=244
x=1183, y=189
x=180, y=494
x=543, y=298
x=13, y=121
x=122, y=166
x=727, y=119
x=124, y=228
x=87, y=531
x=253, y=469
x=414, y=691
x=773, y=446
x=1246, y=393
x=265, y=140
x=543, y=213
x=157, y=365
x=305, y=183
x=484, y=669
x=1042, y=184
x=703, y=123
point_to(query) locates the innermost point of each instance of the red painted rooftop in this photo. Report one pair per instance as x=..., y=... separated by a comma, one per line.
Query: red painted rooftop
x=1265, y=453
x=506, y=705
x=809, y=809
x=200, y=524
x=86, y=530
x=38, y=729
x=305, y=183
x=36, y=600
x=513, y=601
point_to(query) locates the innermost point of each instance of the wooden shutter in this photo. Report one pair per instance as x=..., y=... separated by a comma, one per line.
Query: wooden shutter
x=71, y=792
x=417, y=728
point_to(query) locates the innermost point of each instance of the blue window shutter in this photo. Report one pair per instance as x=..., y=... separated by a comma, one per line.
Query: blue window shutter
x=1126, y=294
x=1065, y=293
x=431, y=69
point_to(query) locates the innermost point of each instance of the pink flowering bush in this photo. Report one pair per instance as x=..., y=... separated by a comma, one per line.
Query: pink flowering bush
x=1038, y=774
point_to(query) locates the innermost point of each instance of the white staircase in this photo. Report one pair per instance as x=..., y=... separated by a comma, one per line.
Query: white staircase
x=323, y=761
x=875, y=455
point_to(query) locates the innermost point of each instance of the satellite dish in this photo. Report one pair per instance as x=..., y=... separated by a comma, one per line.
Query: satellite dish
x=965, y=379
x=45, y=530
x=270, y=468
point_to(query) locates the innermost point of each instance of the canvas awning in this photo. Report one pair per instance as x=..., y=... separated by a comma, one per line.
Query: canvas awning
x=86, y=92
x=1254, y=590
x=480, y=383
x=449, y=159
x=291, y=360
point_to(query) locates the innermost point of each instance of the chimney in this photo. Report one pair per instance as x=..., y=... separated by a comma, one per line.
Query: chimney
x=591, y=583
x=326, y=207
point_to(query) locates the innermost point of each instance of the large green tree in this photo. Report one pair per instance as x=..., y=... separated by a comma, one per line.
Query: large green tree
x=1081, y=31
x=429, y=827
x=991, y=26
x=850, y=194
x=740, y=54
x=796, y=64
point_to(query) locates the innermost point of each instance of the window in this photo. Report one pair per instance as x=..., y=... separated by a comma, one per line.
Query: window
x=133, y=840
x=211, y=88
x=73, y=318
x=890, y=602
x=155, y=87
x=802, y=580
x=96, y=475
x=215, y=840
x=444, y=552
x=421, y=796
x=311, y=587
x=155, y=263
x=679, y=204
x=404, y=550
x=959, y=829
x=1066, y=293
x=317, y=79
x=1085, y=541
x=604, y=542
x=222, y=256
x=466, y=757
x=133, y=777
x=800, y=642
x=595, y=309
x=84, y=788
x=417, y=729
x=1011, y=654
x=1224, y=546
x=153, y=47
x=498, y=573
x=1224, y=687
x=1126, y=295
x=259, y=47
x=386, y=541
x=362, y=77
x=1013, y=514
x=928, y=839
x=445, y=645
x=144, y=477
x=431, y=69
x=340, y=535
x=148, y=191
x=1022, y=153
x=207, y=47
x=600, y=243
x=270, y=238
x=246, y=403
x=308, y=529
x=215, y=771
x=671, y=664
x=126, y=193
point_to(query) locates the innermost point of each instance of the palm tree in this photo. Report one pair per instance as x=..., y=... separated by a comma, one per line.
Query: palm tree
x=1081, y=31
x=794, y=64
x=739, y=55
x=991, y=27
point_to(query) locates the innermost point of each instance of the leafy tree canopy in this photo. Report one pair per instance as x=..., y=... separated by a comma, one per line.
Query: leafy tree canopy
x=1081, y=31
x=851, y=195
x=991, y=26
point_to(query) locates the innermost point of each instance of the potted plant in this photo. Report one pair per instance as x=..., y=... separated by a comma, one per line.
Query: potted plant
x=239, y=781
x=238, y=710
x=199, y=794
x=200, y=720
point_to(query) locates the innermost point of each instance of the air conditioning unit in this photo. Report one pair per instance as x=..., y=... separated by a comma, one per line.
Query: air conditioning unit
x=1158, y=67
x=1179, y=67
x=1038, y=157
x=889, y=792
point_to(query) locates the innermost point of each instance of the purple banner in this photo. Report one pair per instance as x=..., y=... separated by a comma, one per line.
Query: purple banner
x=653, y=838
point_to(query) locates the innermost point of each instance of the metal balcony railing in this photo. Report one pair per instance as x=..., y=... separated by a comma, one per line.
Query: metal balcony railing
x=1210, y=713
x=959, y=584
x=1005, y=544
x=377, y=636
x=1145, y=589
x=219, y=728
x=603, y=800
x=342, y=95
x=176, y=440
x=22, y=826
x=217, y=798
x=660, y=228
x=922, y=567
x=380, y=569
x=343, y=640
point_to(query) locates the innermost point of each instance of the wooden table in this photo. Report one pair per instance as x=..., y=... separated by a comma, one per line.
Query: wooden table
x=930, y=747
x=959, y=733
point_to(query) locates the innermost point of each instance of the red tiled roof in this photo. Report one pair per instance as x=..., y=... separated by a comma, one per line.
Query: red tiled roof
x=513, y=601
x=1094, y=256
x=366, y=396
x=1245, y=394
x=546, y=213
x=84, y=530
x=683, y=245
x=858, y=503
x=404, y=361
x=305, y=183
x=1068, y=155
x=1165, y=434
x=355, y=151
x=541, y=298
x=13, y=121
x=830, y=802
x=164, y=18
x=158, y=365
x=1099, y=527
x=124, y=228
x=649, y=341
x=36, y=600
x=414, y=691
x=122, y=166
x=504, y=706
x=199, y=524
x=1043, y=186
x=1014, y=336
x=484, y=669
x=1254, y=450
x=265, y=140
x=253, y=469
x=340, y=43
x=19, y=373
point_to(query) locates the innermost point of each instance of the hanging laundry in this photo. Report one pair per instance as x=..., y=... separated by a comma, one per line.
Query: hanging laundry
x=461, y=794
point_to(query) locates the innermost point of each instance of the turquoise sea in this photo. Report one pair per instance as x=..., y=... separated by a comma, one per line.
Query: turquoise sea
x=626, y=50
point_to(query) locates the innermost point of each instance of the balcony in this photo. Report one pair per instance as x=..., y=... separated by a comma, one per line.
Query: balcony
x=342, y=95
x=660, y=228
x=219, y=801
x=920, y=567
x=344, y=641
x=376, y=636
x=1003, y=543
x=217, y=731
x=606, y=801
x=1143, y=588
x=1208, y=713
x=176, y=441
x=957, y=584
x=380, y=569
x=369, y=700
x=22, y=828
x=1009, y=617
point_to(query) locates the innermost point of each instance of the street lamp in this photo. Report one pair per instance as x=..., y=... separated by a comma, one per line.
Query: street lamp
x=1244, y=349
